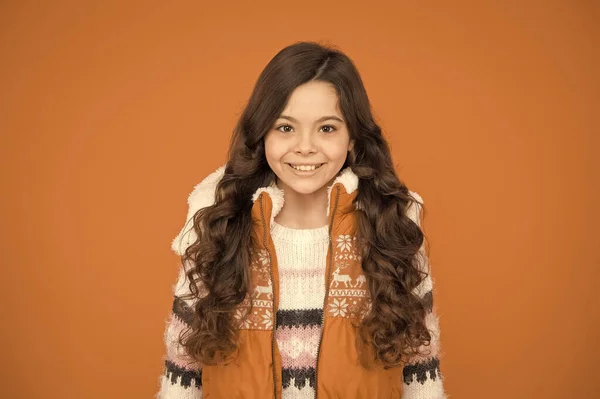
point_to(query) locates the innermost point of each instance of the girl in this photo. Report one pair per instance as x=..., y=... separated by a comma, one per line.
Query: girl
x=304, y=271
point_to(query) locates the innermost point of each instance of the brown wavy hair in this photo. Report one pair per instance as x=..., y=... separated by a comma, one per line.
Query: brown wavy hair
x=218, y=260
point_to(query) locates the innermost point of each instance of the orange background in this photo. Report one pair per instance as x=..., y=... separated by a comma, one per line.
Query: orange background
x=111, y=113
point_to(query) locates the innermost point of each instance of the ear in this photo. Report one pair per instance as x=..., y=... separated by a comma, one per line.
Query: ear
x=351, y=145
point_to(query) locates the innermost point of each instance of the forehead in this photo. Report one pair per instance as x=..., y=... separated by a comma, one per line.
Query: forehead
x=312, y=100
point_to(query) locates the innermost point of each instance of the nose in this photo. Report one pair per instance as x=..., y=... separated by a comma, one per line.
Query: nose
x=305, y=144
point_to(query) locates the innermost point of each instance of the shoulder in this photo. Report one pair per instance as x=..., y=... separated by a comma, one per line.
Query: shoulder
x=202, y=195
x=413, y=209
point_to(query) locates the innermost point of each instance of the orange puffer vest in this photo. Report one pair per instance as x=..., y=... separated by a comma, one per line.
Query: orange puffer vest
x=255, y=369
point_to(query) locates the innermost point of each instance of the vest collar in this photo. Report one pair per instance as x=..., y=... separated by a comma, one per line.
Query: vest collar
x=346, y=178
x=203, y=195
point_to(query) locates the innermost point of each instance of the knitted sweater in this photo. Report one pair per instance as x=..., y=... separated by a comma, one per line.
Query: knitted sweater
x=302, y=261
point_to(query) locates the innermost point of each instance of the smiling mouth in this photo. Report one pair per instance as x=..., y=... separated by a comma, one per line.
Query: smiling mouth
x=305, y=168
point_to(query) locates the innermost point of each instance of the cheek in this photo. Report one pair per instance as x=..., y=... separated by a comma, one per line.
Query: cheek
x=337, y=152
x=273, y=149
x=270, y=151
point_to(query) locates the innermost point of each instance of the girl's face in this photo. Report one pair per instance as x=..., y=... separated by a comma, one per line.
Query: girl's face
x=308, y=144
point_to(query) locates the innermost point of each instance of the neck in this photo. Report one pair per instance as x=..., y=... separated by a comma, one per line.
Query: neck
x=303, y=211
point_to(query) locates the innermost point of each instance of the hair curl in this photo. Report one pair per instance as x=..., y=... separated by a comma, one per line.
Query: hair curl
x=391, y=242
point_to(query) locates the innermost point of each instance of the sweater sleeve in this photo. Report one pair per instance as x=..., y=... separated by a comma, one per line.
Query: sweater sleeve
x=422, y=378
x=182, y=377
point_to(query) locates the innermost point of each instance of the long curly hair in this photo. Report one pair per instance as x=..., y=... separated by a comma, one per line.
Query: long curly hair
x=218, y=261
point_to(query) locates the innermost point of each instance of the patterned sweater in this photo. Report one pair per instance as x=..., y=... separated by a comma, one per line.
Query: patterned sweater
x=301, y=258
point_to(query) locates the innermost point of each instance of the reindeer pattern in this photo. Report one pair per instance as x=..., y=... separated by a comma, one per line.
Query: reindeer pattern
x=348, y=296
x=346, y=279
x=260, y=296
x=262, y=289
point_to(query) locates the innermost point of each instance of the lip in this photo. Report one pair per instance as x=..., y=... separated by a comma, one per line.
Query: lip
x=306, y=164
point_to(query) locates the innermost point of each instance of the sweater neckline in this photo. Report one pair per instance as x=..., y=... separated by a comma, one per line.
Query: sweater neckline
x=299, y=235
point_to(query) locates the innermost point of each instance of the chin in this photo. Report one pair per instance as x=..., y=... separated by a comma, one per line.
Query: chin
x=304, y=188
x=307, y=185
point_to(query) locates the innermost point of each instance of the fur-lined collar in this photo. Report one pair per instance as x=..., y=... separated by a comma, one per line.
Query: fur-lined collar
x=203, y=195
x=346, y=177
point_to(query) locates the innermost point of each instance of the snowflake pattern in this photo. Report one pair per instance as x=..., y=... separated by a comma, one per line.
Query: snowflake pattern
x=344, y=242
x=260, y=261
x=346, y=249
x=263, y=257
x=339, y=307
x=242, y=318
x=267, y=319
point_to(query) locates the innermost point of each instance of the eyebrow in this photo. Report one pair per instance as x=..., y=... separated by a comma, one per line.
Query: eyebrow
x=321, y=119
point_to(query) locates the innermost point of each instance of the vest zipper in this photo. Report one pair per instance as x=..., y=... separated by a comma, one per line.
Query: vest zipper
x=274, y=314
x=327, y=283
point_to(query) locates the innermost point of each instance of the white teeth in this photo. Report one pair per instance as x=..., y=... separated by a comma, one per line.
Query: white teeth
x=305, y=167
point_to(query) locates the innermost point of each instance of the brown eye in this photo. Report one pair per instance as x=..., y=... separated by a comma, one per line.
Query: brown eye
x=284, y=126
x=329, y=128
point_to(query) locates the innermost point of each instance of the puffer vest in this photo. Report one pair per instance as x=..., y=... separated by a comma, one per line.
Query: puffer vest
x=255, y=371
